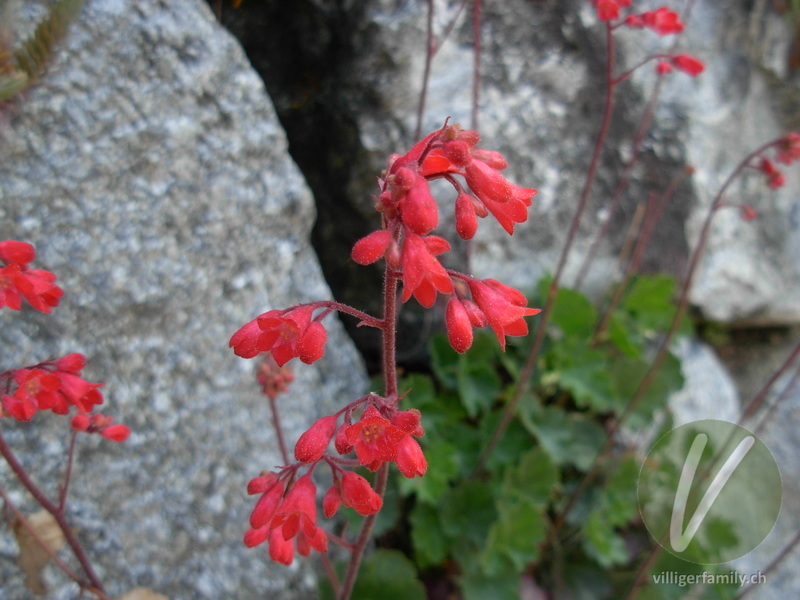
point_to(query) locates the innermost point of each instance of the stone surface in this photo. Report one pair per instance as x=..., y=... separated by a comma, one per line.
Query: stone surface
x=150, y=172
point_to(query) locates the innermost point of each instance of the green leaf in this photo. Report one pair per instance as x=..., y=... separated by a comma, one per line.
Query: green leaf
x=478, y=387
x=573, y=314
x=618, y=497
x=583, y=371
x=430, y=544
x=602, y=543
x=514, y=537
x=569, y=438
x=515, y=441
x=629, y=372
x=619, y=335
x=475, y=585
x=467, y=513
x=443, y=467
x=650, y=301
x=531, y=480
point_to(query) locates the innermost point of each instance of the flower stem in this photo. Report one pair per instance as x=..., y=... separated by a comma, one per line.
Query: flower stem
x=53, y=509
x=530, y=362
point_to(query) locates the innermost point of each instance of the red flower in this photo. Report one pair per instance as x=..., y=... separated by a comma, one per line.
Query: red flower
x=503, y=306
x=21, y=409
x=98, y=423
x=663, y=21
x=287, y=334
x=312, y=444
x=374, y=438
x=332, y=500
x=38, y=386
x=466, y=217
x=267, y=504
x=410, y=459
x=423, y=275
x=607, y=10
x=77, y=392
x=688, y=64
x=298, y=511
x=358, y=494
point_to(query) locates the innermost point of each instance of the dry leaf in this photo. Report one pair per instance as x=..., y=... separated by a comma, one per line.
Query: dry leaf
x=141, y=593
x=32, y=557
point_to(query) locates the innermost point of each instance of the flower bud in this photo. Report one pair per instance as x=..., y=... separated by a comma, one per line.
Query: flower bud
x=370, y=248
x=466, y=220
x=457, y=152
x=491, y=157
x=418, y=208
x=116, y=433
x=358, y=494
x=331, y=501
x=72, y=363
x=254, y=537
x=260, y=484
x=311, y=346
x=410, y=459
x=459, y=328
x=342, y=445
x=266, y=506
x=312, y=444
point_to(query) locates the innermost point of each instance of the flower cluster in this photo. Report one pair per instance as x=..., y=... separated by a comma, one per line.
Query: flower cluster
x=787, y=150
x=380, y=433
x=98, y=423
x=683, y=62
x=53, y=385
x=286, y=334
x=287, y=510
x=410, y=213
x=18, y=280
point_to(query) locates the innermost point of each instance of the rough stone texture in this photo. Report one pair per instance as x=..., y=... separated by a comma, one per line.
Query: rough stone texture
x=149, y=170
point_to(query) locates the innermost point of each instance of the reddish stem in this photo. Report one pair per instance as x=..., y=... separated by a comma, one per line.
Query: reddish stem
x=276, y=425
x=54, y=510
x=526, y=372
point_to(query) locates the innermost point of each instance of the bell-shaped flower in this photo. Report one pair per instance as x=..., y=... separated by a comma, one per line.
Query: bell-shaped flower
x=423, y=275
x=459, y=327
x=410, y=459
x=298, y=511
x=374, y=438
x=358, y=494
x=418, y=209
x=312, y=444
x=502, y=309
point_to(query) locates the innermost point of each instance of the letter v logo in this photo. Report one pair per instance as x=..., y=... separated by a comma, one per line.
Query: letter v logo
x=679, y=539
x=709, y=491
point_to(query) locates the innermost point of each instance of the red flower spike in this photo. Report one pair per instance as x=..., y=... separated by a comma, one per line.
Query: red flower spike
x=504, y=317
x=358, y=494
x=267, y=506
x=418, y=209
x=254, y=537
x=466, y=219
x=459, y=327
x=688, y=64
x=423, y=275
x=116, y=433
x=312, y=444
x=332, y=501
x=410, y=459
x=280, y=549
x=370, y=248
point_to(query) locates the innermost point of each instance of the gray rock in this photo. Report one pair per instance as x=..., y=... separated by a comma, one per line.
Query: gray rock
x=149, y=170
